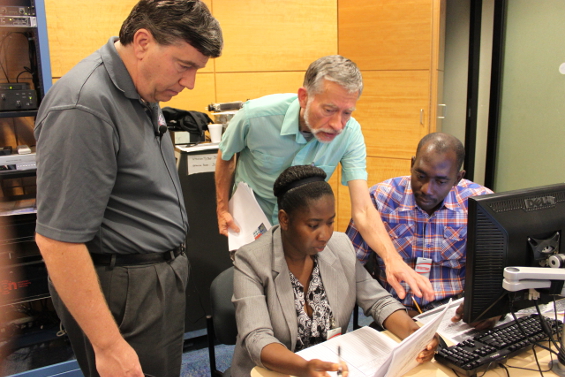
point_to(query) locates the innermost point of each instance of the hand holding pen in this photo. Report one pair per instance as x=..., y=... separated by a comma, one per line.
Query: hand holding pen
x=342, y=371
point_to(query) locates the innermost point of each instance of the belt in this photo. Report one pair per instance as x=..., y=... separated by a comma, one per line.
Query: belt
x=136, y=259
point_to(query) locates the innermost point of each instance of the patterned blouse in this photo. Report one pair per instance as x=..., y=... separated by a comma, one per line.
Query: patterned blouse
x=311, y=330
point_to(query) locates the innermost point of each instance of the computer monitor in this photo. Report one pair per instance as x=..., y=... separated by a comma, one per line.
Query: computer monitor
x=514, y=228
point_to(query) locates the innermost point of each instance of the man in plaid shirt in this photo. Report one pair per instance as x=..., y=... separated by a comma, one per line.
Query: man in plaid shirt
x=426, y=217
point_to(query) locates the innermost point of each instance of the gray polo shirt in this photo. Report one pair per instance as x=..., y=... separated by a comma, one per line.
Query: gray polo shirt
x=104, y=177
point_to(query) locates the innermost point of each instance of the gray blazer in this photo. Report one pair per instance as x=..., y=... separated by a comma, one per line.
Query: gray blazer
x=264, y=298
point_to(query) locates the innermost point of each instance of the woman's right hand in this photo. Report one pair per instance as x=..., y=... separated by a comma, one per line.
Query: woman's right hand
x=319, y=368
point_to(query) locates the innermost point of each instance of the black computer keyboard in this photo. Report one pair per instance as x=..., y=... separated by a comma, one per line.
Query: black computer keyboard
x=491, y=347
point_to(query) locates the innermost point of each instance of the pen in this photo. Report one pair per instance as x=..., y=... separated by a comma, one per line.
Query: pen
x=417, y=306
x=340, y=370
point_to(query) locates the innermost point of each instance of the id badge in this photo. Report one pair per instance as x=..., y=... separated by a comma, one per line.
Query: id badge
x=333, y=332
x=423, y=266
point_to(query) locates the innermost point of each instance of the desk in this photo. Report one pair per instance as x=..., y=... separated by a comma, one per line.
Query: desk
x=435, y=369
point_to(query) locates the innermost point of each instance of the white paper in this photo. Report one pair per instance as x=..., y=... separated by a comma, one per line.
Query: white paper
x=364, y=350
x=201, y=163
x=452, y=331
x=197, y=147
x=248, y=216
x=370, y=353
x=403, y=357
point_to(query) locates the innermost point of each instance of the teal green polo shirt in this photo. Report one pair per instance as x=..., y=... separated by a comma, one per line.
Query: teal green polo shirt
x=265, y=133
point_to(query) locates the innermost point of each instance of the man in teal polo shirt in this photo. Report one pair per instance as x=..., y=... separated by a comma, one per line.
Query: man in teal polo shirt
x=314, y=127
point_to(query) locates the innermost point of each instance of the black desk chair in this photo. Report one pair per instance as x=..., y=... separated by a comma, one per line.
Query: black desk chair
x=221, y=323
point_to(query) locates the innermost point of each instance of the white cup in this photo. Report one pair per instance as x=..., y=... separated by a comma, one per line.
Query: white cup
x=215, y=132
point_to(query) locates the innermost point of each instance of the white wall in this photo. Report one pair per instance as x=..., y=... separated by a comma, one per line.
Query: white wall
x=456, y=75
x=532, y=134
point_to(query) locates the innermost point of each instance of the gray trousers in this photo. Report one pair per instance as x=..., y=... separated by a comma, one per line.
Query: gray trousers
x=148, y=303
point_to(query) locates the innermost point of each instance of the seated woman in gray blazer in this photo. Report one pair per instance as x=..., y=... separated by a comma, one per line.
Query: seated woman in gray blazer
x=298, y=283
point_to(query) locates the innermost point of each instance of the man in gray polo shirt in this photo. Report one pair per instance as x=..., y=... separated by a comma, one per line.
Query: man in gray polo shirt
x=111, y=220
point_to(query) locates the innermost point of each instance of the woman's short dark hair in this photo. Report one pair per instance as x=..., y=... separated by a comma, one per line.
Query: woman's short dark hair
x=173, y=20
x=297, y=185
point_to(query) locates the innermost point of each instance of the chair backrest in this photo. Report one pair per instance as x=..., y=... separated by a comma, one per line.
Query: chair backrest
x=222, y=309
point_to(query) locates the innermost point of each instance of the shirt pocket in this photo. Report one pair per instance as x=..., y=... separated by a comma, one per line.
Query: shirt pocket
x=453, y=247
x=402, y=236
x=268, y=163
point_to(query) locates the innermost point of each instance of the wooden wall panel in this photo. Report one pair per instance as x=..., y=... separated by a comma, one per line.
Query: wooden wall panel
x=386, y=34
x=379, y=169
x=16, y=131
x=334, y=182
x=78, y=28
x=243, y=86
x=274, y=35
x=389, y=111
x=198, y=98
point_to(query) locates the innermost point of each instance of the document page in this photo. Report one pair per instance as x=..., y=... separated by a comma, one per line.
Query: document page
x=403, y=357
x=248, y=216
x=364, y=350
x=455, y=332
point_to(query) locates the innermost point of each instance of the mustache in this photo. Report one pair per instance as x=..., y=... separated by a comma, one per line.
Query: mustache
x=327, y=131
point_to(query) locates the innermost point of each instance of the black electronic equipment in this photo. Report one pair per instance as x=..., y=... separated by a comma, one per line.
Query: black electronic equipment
x=18, y=21
x=15, y=10
x=509, y=229
x=225, y=106
x=488, y=348
x=17, y=96
x=23, y=273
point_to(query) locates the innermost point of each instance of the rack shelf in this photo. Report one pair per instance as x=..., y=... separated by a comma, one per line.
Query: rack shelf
x=18, y=114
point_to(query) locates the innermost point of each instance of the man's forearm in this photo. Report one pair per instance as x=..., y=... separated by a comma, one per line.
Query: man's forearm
x=74, y=277
x=224, y=176
x=369, y=223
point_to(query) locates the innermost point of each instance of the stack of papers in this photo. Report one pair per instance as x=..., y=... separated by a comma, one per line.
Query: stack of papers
x=370, y=353
x=248, y=216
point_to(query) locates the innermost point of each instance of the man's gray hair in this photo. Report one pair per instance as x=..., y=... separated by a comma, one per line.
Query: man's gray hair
x=334, y=68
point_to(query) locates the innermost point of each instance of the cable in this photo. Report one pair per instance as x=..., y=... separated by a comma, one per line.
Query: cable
x=5, y=55
x=557, y=329
x=26, y=70
x=537, y=361
x=62, y=330
x=528, y=369
x=505, y=368
x=511, y=309
x=32, y=69
x=545, y=327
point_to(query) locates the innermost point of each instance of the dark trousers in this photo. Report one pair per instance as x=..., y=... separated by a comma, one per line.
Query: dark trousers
x=148, y=303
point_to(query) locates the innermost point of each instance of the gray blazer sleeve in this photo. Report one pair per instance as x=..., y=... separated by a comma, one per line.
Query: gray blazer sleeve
x=252, y=284
x=369, y=294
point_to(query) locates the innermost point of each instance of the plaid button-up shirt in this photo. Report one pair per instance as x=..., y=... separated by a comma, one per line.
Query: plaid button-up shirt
x=441, y=237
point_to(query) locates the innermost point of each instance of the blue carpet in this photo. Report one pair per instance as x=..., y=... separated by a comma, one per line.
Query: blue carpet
x=196, y=363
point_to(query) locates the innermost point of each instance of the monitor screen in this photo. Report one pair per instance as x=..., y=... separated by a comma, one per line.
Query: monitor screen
x=514, y=228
